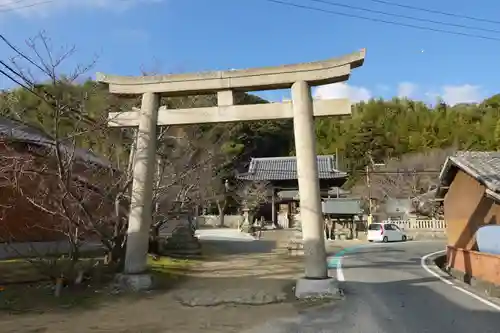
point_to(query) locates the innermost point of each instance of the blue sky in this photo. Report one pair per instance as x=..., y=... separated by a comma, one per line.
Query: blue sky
x=197, y=35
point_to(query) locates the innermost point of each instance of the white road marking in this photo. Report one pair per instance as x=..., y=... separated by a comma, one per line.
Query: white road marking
x=340, y=273
x=425, y=267
x=338, y=263
x=448, y=282
x=395, y=243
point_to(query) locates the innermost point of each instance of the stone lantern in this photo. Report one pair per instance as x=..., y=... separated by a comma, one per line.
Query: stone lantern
x=246, y=225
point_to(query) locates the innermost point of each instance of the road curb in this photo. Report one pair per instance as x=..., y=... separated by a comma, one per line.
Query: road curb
x=430, y=262
x=476, y=286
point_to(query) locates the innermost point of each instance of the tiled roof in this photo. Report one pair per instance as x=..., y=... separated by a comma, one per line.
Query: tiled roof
x=285, y=168
x=332, y=191
x=483, y=166
x=294, y=194
x=19, y=131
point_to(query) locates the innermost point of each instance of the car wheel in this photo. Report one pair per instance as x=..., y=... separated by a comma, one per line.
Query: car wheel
x=403, y=238
x=370, y=240
x=385, y=239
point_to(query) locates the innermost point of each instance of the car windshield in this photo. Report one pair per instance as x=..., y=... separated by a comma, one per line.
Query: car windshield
x=374, y=226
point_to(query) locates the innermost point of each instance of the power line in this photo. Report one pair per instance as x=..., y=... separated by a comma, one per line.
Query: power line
x=435, y=11
x=6, y=8
x=463, y=26
x=17, y=8
x=13, y=2
x=372, y=19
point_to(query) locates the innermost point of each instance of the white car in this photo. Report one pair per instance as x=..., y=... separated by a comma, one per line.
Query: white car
x=385, y=232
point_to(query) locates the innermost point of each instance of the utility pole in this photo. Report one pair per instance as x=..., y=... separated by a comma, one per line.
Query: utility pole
x=368, y=184
x=369, y=168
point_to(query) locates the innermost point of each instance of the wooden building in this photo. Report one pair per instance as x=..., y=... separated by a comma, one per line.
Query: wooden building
x=470, y=191
x=30, y=192
x=281, y=173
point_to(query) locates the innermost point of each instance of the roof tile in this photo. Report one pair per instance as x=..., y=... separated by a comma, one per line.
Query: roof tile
x=19, y=131
x=285, y=168
x=482, y=165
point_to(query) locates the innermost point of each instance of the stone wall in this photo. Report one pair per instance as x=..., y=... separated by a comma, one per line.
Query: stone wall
x=212, y=221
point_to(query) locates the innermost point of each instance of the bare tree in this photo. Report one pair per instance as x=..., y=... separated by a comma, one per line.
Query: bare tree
x=251, y=195
x=89, y=196
x=189, y=159
x=82, y=192
x=409, y=177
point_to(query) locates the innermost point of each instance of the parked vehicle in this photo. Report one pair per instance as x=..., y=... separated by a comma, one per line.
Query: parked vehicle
x=385, y=232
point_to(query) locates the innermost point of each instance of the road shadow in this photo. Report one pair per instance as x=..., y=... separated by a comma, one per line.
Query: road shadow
x=244, y=279
x=420, y=305
x=232, y=262
x=231, y=246
x=393, y=294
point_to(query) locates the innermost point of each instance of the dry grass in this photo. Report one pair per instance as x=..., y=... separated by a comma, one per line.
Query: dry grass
x=102, y=309
x=24, y=288
x=18, y=271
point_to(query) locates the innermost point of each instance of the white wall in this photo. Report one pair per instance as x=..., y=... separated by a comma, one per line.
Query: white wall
x=231, y=221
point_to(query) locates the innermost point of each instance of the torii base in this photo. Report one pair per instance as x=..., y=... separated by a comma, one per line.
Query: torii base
x=317, y=288
x=134, y=282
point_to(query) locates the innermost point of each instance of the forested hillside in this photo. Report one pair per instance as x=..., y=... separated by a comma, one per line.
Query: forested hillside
x=387, y=128
x=396, y=127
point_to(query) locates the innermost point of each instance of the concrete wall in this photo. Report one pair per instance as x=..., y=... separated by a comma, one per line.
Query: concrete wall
x=40, y=249
x=474, y=265
x=466, y=209
x=210, y=221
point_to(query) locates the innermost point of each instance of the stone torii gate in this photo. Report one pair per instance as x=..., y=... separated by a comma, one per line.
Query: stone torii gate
x=299, y=77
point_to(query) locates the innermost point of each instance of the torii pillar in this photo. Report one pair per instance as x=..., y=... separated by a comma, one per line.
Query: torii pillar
x=299, y=77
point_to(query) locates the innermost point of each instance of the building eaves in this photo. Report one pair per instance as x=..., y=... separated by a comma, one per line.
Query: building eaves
x=285, y=168
x=21, y=132
x=482, y=166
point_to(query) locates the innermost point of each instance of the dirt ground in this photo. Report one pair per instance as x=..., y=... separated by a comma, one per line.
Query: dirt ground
x=261, y=266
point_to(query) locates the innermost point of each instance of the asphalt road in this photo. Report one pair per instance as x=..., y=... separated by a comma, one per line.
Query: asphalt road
x=388, y=291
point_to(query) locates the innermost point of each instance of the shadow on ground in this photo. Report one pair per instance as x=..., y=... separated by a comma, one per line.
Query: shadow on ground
x=226, y=265
x=418, y=305
x=257, y=269
x=410, y=306
x=228, y=246
x=391, y=294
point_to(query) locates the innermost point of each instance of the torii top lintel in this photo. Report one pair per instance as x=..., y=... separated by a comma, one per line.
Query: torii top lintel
x=264, y=78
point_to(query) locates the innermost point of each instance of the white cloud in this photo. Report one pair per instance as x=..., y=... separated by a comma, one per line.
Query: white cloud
x=44, y=8
x=407, y=90
x=466, y=93
x=342, y=90
x=450, y=94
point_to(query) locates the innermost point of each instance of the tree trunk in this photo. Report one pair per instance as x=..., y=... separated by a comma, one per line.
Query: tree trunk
x=221, y=206
x=154, y=246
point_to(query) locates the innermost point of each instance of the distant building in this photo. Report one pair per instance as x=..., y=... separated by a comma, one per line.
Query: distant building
x=29, y=189
x=281, y=173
